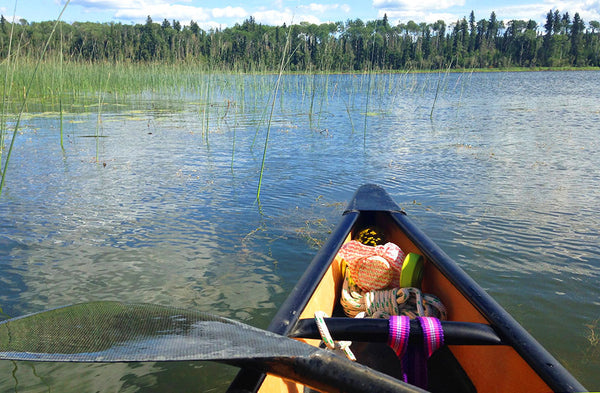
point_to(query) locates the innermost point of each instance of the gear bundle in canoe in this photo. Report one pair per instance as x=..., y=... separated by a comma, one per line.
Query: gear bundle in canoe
x=483, y=348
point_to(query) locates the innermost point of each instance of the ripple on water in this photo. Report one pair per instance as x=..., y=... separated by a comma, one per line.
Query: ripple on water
x=172, y=217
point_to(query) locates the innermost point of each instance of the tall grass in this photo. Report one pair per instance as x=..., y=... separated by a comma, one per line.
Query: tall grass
x=27, y=89
x=437, y=90
x=59, y=85
x=60, y=106
x=206, y=110
x=277, y=83
x=6, y=91
x=97, y=135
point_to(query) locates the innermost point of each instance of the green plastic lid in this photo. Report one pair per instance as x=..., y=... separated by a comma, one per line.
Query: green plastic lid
x=412, y=271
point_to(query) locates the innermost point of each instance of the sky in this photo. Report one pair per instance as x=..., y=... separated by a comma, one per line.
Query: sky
x=226, y=13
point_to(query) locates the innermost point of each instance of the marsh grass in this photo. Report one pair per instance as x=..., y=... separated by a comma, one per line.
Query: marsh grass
x=97, y=134
x=206, y=110
x=67, y=84
x=6, y=91
x=276, y=90
x=60, y=106
x=27, y=88
x=57, y=85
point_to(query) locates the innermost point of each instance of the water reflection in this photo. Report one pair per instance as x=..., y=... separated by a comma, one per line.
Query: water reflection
x=116, y=377
x=503, y=175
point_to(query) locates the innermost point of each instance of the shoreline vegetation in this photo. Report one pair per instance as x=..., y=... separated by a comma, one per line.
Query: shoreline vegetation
x=351, y=46
x=92, y=58
x=58, y=67
x=54, y=81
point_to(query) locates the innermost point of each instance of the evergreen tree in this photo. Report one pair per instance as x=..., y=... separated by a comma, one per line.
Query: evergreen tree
x=353, y=45
x=550, y=30
x=577, y=29
x=472, y=32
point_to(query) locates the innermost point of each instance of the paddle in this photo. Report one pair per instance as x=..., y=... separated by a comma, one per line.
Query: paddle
x=109, y=332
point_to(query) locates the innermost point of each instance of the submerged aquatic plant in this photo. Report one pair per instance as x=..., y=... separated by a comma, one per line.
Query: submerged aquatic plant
x=593, y=335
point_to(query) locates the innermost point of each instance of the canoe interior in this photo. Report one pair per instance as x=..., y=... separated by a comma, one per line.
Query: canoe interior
x=456, y=368
x=489, y=368
x=520, y=365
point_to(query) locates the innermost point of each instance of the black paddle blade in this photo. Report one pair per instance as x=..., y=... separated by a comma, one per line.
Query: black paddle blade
x=108, y=332
x=117, y=332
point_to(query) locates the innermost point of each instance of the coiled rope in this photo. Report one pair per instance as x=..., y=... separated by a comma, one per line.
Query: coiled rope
x=410, y=302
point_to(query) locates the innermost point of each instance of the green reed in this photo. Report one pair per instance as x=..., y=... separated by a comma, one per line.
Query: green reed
x=60, y=106
x=276, y=90
x=27, y=89
x=207, y=107
x=6, y=90
x=61, y=85
x=313, y=91
x=80, y=80
x=437, y=90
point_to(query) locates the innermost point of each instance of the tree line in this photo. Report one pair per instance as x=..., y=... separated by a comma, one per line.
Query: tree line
x=353, y=45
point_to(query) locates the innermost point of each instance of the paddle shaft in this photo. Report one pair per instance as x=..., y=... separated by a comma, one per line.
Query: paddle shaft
x=329, y=372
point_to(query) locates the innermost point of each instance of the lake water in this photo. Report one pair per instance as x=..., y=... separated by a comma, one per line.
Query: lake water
x=154, y=200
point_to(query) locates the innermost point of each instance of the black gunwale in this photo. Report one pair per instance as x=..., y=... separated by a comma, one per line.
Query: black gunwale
x=372, y=198
x=510, y=331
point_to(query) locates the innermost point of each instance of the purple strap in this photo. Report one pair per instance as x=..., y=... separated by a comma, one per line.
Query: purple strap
x=399, y=333
x=433, y=334
x=398, y=337
x=433, y=338
x=414, y=362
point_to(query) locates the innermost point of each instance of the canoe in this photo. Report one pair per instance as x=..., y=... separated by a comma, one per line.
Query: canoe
x=484, y=348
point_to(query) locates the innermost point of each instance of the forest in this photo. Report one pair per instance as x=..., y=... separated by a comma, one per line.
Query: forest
x=354, y=45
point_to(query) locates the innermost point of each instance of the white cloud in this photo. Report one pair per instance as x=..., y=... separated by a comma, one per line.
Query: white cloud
x=417, y=5
x=275, y=12
x=139, y=10
x=321, y=13
x=535, y=11
x=314, y=7
x=588, y=9
x=450, y=10
x=322, y=8
x=396, y=17
x=428, y=11
x=309, y=18
x=229, y=12
x=115, y=4
x=274, y=17
x=166, y=11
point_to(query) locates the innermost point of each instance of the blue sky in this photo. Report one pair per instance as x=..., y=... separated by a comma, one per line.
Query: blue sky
x=223, y=13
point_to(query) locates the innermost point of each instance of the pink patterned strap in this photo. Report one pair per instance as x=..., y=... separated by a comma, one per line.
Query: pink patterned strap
x=399, y=333
x=433, y=335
